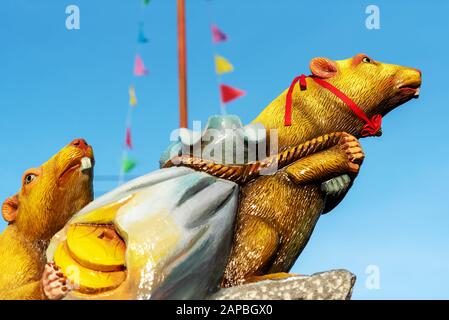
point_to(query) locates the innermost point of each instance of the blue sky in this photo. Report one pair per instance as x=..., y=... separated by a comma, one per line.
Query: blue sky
x=57, y=85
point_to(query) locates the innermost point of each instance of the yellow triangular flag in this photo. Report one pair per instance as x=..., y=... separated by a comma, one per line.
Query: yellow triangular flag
x=222, y=65
x=132, y=96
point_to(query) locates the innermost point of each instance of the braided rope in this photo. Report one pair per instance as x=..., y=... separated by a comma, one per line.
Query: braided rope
x=243, y=173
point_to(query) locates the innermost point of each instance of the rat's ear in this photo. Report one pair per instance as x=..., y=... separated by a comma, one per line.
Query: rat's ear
x=10, y=208
x=323, y=68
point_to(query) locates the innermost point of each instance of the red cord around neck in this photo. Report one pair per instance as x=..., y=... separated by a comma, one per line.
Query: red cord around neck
x=372, y=126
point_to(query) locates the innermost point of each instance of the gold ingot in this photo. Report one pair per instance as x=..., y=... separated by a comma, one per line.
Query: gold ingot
x=96, y=247
x=86, y=280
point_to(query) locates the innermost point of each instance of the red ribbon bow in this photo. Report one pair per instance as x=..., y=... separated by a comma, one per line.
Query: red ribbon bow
x=372, y=126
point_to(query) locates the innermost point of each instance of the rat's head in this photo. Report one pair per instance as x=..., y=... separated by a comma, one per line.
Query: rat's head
x=52, y=193
x=376, y=87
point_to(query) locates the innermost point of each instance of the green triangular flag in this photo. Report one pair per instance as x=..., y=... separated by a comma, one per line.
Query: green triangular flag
x=128, y=165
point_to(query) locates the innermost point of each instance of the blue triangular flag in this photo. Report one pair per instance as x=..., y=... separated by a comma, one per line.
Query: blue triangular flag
x=141, y=38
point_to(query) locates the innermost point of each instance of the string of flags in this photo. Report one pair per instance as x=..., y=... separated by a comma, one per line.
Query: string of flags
x=222, y=66
x=139, y=70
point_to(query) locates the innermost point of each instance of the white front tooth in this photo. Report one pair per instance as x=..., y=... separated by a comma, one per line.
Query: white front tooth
x=86, y=164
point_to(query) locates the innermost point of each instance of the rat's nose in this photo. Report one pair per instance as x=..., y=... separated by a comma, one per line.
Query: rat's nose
x=419, y=71
x=80, y=143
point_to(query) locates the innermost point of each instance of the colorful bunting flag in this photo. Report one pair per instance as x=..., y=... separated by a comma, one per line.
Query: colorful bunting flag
x=229, y=93
x=128, y=165
x=222, y=65
x=141, y=37
x=218, y=35
x=128, y=139
x=132, y=96
x=139, y=70
x=139, y=67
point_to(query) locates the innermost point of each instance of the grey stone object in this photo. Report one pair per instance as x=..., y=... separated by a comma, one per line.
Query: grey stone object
x=329, y=285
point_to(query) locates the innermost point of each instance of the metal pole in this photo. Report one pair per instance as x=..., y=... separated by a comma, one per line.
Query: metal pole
x=182, y=56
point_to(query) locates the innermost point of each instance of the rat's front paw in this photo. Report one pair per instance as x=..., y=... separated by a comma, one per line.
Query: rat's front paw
x=354, y=152
x=55, y=284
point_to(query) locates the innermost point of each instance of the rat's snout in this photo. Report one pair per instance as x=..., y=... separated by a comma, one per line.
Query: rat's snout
x=417, y=75
x=408, y=81
x=84, y=149
x=78, y=154
x=419, y=71
x=80, y=143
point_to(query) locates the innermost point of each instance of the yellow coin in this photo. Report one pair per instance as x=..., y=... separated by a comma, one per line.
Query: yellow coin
x=96, y=247
x=86, y=280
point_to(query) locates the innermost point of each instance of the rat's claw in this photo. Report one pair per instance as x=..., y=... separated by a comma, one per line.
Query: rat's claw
x=350, y=144
x=353, y=150
x=54, y=283
x=348, y=137
x=58, y=293
x=354, y=168
x=357, y=157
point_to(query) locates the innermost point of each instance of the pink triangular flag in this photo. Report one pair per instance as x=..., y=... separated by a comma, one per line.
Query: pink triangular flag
x=128, y=140
x=139, y=67
x=218, y=35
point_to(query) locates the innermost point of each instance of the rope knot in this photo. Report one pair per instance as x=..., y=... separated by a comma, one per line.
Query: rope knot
x=372, y=128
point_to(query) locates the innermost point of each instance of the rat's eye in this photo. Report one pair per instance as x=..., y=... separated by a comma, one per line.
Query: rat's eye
x=29, y=178
x=366, y=60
